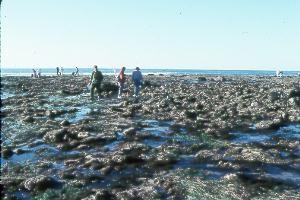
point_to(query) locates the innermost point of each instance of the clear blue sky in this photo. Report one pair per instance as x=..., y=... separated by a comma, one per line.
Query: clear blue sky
x=201, y=34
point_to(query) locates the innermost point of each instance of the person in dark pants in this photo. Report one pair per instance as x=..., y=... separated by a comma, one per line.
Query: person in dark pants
x=96, y=80
x=137, y=78
x=57, y=71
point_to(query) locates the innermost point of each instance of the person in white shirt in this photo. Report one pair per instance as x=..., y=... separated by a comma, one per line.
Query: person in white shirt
x=61, y=71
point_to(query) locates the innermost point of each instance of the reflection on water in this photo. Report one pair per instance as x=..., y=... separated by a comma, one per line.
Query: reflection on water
x=290, y=132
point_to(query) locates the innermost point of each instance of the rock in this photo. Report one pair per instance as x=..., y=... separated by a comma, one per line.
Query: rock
x=274, y=96
x=71, y=92
x=202, y=79
x=191, y=114
x=65, y=123
x=294, y=93
x=130, y=131
x=40, y=183
x=269, y=124
x=109, y=88
x=29, y=119
x=164, y=158
x=92, y=139
x=57, y=136
x=204, y=155
x=295, y=101
x=7, y=153
x=104, y=194
x=20, y=151
x=146, y=83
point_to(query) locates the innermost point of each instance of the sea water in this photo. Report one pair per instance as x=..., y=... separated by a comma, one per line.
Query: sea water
x=157, y=71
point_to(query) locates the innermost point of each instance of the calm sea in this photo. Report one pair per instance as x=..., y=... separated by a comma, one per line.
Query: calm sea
x=111, y=71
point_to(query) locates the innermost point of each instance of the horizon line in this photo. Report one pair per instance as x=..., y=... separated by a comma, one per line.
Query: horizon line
x=154, y=67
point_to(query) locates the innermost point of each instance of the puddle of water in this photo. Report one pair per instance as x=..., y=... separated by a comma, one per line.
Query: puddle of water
x=21, y=195
x=245, y=138
x=31, y=154
x=80, y=114
x=154, y=143
x=114, y=145
x=20, y=158
x=283, y=175
x=297, y=153
x=6, y=95
x=291, y=132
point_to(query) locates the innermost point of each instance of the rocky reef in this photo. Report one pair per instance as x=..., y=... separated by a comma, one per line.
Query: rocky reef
x=187, y=137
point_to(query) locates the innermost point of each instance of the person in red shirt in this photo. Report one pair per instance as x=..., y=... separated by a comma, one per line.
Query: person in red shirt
x=121, y=82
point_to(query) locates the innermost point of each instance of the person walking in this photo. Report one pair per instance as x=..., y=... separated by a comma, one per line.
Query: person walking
x=137, y=78
x=34, y=74
x=77, y=72
x=96, y=80
x=39, y=73
x=121, y=82
x=57, y=71
x=61, y=71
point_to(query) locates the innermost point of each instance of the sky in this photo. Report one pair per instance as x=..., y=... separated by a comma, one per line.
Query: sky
x=194, y=34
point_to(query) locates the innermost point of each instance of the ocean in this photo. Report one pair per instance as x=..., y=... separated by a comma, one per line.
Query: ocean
x=111, y=71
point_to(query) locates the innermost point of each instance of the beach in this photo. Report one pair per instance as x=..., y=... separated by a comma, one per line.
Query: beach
x=187, y=137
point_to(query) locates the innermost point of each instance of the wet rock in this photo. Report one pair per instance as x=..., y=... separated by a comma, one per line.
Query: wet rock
x=145, y=192
x=29, y=119
x=295, y=101
x=294, y=118
x=274, y=96
x=164, y=158
x=54, y=113
x=269, y=124
x=132, y=152
x=97, y=139
x=202, y=79
x=20, y=151
x=192, y=114
x=71, y=92
x=58, y=136
x=128, y=113
x=7, y=153
x=294, y=93
x=130, y=131
x=109, y=88
x=104, y=194
x=40, y=183
x=68, y=175
x=147, y=83
x=203, y=155
x=65, y=123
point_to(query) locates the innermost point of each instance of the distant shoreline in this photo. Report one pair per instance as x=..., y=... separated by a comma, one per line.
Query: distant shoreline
x=111, y=71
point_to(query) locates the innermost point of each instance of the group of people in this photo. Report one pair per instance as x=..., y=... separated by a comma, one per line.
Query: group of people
x=97, y=78
x=36, y=73
x=60, y=72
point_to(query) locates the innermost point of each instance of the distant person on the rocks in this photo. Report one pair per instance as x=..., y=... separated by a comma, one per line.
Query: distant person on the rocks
x=121, y=82
x=33, y=73
x=137, y=78
x=57, y=71
x=77, y=72
x=279, y=73
x=38, y=73
x=96, y=80
x=61, y=71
